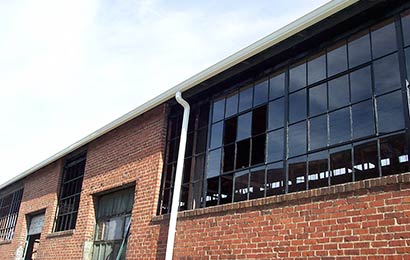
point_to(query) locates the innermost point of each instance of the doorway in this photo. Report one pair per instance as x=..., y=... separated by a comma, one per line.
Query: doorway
x=33, y=236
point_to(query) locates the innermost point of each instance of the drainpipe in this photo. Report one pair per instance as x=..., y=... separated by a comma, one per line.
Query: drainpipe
x=178, y=178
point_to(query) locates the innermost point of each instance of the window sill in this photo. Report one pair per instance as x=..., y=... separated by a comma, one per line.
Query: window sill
x=61, y=234
x=5, y=242
x=330, y=191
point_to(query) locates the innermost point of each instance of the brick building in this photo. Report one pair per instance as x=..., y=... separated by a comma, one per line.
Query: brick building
x=298, y=147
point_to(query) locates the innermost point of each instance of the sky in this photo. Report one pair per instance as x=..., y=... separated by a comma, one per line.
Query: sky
x=67, y=68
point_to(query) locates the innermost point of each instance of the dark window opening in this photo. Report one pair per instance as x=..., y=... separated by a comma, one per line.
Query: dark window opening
x=226, y=189
x=243, y=153
x=9, y=210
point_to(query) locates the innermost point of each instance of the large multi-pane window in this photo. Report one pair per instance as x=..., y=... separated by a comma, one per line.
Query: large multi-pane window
x=337, y=115
x=70, y=191
x=9, y=210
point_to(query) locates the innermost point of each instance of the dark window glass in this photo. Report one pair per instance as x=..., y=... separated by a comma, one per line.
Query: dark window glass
x=218, y=110
x=183, y=203
x=203, y=115
x=216, y=135
x=338, y=92
x=242, y=154
x=365, y=161
x=297, y=139
x=186, y=173
x=231, y=105
x=318, y=174
x=198, y=173
x=405, y=22
x=318, y=132
x=189, y=144
x=169, y=175
x=214, y=163
x=275, y=145
x=226, y=189
x=244, y=126
x=339, y=122
x=297, y=106
x=276, y=114
x=245, y=99
x=229, y=157
x=165, y=201
x=359, y=49
x=361, y=84
x=259, y=120
x=230, y=130
x=390, y=112
x=386, y=74
x=318, y=99
x=336, y=59
x=363, y=119
x=383, y=38
x=241, y=190
x=173, y=150
x=275, y=179
x=277, y=86
x=258, y=149
x=261, y=93
x=212, y=188
x=394, y=155
x=297, y=174
x=297, y=77
x=257, y=183
x=316, y=68
x=200, y=140
x=341, y=168
x=408, y=63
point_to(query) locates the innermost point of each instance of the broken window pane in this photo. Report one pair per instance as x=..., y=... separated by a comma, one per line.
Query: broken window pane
x=277, y=86
x=231, y=105
x=341, y=168
x=390, y=112
x=258, y=149
x=336, y=59
x=241, y=190
x=297, y=106
x=275, y=145
x=297, y=139
x=318, y=100
x=229, y=157
x=363, y=119
x=394, y=155
x=297, y=174
x=257, y=183
x=276, y=114
x=226, y=189
x=297, y=77
x=359, y=49
x=339, y=92
x=361, y=84
x=259, y=120
x=318, y=175
x=214, y=163
x=218, y=110
x=244, y=126
x=230, y=130
x=245, y=99
x=366, y=161
x=216, y=135
x=275, y=179
x=261, y=93
x=242, y=154
x=384, y=38
x=339, y=122
x=316, y=68
x=318, y=132
x=386, y=74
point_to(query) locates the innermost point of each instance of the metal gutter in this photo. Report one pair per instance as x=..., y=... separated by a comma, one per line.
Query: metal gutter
x=285, y=32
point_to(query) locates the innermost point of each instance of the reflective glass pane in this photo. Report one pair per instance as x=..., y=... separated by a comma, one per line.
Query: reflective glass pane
x=336, y=59
x=341, y=167
x=363, y=119
x=405, y=23
x=361, y=84
x=230, y=130
x=383, y=38
x=297, y=174
x=297, y=77
x=216, y=135
x=318, y=174
x=226, y=189
x=359, y=49
x=338, y=92
x=261, y=93
x=276, y=114
x=316, y=68
x=365, y=161
x=218, y=110
x=244, y=126
x=258, y=149
x=386, y=74
x=318, y=132
x=214, y=163
x=257, y=183
x=275, y=145
x=243, y=154
x=229, y=158
x=277, y=86
x=339, y=122
x=275, y=179
x=212, y=190
x=241, y=189
x=297, y=139
x=245, y=99
x=259, y=120
x=318, y=100
x=390, y=112
x=408, y=63
x=231, y=105
x=297, y=106
x=394, y=155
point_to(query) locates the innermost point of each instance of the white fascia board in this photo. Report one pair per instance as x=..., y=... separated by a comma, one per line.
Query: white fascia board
x=289, y=30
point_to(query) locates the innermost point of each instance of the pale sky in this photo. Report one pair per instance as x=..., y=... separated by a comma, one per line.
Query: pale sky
x=68, y=68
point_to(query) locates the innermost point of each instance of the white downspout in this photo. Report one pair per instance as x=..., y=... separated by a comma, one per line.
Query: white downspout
x=178, y=178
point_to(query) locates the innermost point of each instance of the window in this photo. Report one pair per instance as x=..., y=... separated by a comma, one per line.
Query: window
x=113, y=216
x=70, y=191
x=9, y=209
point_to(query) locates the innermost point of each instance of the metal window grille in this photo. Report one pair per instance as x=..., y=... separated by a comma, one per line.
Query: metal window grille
x=9, y=209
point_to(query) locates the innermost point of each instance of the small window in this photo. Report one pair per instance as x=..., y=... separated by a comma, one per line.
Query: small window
x=363, y=119
x=277, y=86
x=241, y=190
x=231, y=105
x=297, y=174
x=341, y=167
x=359, y=49
x=317, y=132
x=339, y=122
x=390, y=112
x=318, y=100
x=318, y=173
x=366, y=161
x=297, y=77
x=336, y=59
x=394, y=155
x=257, y=183
x=361, y=84
x=276, y=114
x=297, y=139
x=261, y=93
x=275, y=179
x=218, y=110
x=245, y=99
x=316, y=68
x=297, y=106
x=386, y=74
x=339, y=92
x=383, y=39
x=275, y=145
